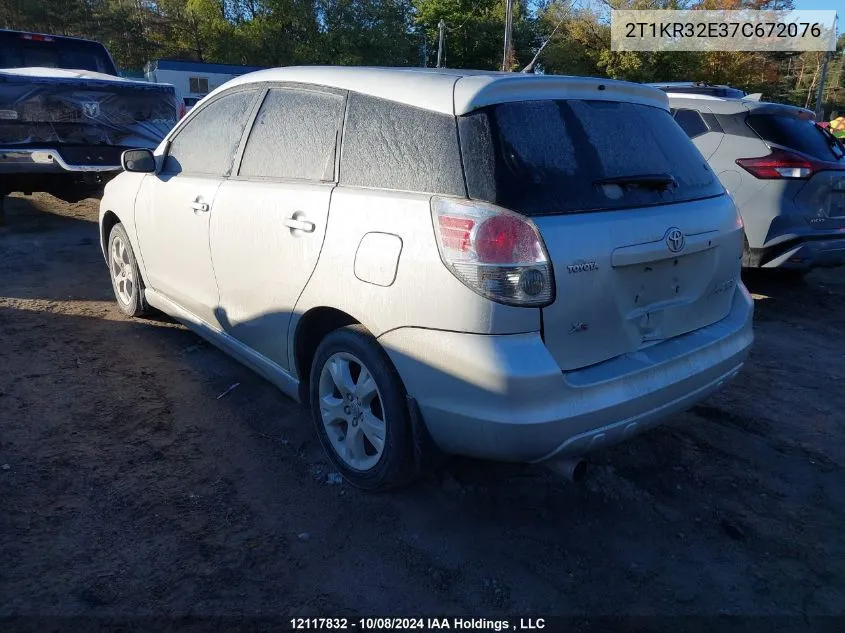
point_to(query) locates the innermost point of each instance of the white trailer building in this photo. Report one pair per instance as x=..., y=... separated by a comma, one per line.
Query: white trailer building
x=192, y=80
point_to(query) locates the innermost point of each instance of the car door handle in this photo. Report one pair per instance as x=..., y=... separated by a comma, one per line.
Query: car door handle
x=300, y=225
x=200, y=207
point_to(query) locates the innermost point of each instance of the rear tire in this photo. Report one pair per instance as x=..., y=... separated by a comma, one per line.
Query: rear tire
x=360, y=411
x=125, y=277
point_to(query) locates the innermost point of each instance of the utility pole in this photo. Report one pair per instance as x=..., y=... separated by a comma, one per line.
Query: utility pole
x=441, y=42
x=820, y=89
x=506, y=58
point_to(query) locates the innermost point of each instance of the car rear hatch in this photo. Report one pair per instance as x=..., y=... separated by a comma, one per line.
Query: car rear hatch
x=644, y=242
x=805, y=154
x=73, y=111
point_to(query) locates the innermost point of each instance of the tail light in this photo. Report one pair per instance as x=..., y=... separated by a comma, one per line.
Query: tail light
x=782, y=164
x=36, y=37
x=496, y=253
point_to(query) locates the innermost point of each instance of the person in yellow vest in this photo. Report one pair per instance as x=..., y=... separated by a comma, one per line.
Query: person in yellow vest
x=837, y=127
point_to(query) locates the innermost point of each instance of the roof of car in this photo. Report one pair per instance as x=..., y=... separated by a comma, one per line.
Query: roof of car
x=689, y=84
x=454, y=91
x=200, y=67
x=729, y=105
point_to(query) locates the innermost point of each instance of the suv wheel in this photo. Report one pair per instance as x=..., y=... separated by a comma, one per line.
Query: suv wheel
x=125, y=276
x=359, y=409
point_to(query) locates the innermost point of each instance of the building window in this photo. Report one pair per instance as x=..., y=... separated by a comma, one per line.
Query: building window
x=198, y=85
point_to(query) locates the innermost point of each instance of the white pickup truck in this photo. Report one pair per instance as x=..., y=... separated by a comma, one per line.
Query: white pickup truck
x=66, y=116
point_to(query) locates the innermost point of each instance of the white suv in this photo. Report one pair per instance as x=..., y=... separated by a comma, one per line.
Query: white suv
x=506, y=266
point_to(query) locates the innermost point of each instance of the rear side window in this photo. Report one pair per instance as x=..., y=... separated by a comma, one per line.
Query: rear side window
x=546, y=157
x=294, y=136
x=395, y=146
x=801, y=135
x=207, y=143
x=691, y=122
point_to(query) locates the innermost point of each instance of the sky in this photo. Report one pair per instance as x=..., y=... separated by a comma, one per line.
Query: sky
x=828, y=5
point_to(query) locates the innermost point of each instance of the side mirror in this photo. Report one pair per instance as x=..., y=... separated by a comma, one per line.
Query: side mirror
x=138, y=160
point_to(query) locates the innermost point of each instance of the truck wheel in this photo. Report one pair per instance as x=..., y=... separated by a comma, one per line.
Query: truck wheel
x=360, y=411
x=125, y=277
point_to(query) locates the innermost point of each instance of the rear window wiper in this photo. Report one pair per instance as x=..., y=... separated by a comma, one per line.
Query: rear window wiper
x=659, y=182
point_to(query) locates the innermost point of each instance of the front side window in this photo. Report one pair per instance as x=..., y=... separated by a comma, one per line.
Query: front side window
x=294, y=136
x=568, y=156
x=207, y=143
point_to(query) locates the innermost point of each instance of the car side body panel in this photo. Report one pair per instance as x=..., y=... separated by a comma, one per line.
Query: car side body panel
x=424, y=293
x=119, y=198
x=262, y=264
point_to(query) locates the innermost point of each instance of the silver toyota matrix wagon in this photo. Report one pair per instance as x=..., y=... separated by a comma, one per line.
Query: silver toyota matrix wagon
x=500, y=265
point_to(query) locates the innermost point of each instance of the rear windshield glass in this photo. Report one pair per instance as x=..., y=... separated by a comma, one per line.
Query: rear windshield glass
x=18, y=52
x=544, y=157
x=801, y=135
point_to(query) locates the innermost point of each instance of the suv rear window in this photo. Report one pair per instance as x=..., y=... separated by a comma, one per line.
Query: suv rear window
x=546, y=157
x=802, y=135
x=16, y=51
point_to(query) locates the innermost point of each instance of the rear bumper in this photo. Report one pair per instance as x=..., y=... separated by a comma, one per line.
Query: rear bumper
x=505, y=398
x=44, y=161
x=805, y=254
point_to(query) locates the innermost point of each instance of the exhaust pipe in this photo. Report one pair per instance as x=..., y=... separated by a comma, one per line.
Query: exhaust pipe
x=574, y=469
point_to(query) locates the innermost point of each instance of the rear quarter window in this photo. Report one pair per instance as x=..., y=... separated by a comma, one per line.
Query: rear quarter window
x=546, y=157
x=801, y=135
x=691, y=122
x=389, y=145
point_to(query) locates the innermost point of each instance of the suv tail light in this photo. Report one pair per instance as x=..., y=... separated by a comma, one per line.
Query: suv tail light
x=497, y=253
x=783, y=164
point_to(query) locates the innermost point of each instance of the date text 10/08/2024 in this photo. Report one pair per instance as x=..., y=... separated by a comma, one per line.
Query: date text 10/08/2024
x=417, y=624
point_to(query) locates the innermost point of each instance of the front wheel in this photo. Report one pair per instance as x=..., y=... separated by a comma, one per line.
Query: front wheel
x=359, y=409
x=125, y=276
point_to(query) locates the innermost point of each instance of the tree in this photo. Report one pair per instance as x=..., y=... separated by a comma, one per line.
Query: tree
x=371, y=32
x=475, y=32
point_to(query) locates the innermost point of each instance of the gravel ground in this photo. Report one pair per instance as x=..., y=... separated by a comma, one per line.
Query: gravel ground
x=129, y=489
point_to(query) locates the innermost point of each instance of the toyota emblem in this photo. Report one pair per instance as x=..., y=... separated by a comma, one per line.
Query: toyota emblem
x=675, y=240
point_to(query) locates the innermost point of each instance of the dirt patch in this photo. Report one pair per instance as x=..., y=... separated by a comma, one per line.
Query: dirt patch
x=128, y=488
